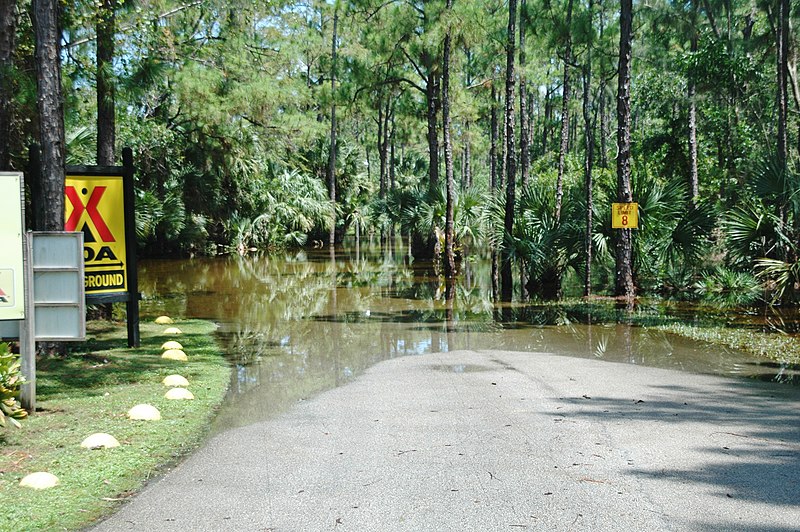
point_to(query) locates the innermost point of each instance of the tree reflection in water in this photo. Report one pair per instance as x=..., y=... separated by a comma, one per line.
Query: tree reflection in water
x=297, y=323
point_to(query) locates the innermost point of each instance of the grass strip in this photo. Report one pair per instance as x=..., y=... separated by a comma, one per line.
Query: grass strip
x=91, y=390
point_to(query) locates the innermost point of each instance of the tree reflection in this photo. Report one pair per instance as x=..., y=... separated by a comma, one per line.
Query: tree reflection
x=294, y=324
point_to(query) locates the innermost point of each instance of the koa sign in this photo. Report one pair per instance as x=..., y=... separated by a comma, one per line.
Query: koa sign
x=95, y=206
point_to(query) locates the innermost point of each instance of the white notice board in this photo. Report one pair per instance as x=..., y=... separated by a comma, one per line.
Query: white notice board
x=12, y=298
x=59, y=302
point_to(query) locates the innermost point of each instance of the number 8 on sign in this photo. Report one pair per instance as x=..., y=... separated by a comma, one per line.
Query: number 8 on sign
x=624, y=215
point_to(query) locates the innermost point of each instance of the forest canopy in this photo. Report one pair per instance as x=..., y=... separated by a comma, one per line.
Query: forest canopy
x=467, y=126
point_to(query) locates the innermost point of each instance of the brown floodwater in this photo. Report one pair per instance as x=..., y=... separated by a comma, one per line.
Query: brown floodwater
x=294, y=324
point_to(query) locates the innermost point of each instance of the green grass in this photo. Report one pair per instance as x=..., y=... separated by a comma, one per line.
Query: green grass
x=90, y=391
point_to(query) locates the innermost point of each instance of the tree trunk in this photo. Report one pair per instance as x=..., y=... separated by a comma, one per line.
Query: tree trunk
x=493, y=184
x=432, y=101
x=392, y=164
x=782, y=36
x=562, y=150
x=548, y=117
x=507, y=286
x=106, y=100
x=494, y=134
x=524, y=120
x=51, y=112
x=503, y=146
x=601, y=104
x=8, y=29
x=332, y=151
x=382, y=145
x=467, y=157
x=694, y=185
x=624, y=247
x=106, y=121
x=449, y=233
x=392, y=151
x=588, y=164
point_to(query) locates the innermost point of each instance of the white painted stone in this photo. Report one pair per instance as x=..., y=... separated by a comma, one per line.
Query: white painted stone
x=164, y=320
x=144, y=412
x=171, y=344
x=175, y=380
x=179, y=393
x=172, y=330
x=100, y=440
x=175, y=354
x=39, y=481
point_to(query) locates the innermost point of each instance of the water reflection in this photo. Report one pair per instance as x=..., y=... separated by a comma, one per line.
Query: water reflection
x=295, y=324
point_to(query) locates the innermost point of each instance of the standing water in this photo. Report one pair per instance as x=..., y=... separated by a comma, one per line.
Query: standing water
x=297, y=323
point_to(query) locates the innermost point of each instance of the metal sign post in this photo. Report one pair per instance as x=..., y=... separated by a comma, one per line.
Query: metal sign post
x=55, y=309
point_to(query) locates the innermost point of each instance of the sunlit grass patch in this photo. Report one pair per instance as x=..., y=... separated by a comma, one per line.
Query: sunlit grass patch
x=91, y=391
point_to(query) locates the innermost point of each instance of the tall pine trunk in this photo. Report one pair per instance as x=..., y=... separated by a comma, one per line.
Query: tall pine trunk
x=449, y=233
x=601, y=103
x=8, y=29
x=493, y=183
x=432, y=101
x=494, y=135
x=548, y=117
x=694, y=182
x=467, y=156
x=382, y=146
x=507, y=286
x=524, y=119
x=524, y=133
x=588, y=164
x=564, y=146
x=51, y=113
x=332, y=152
x=106, y=120
x=782, y=37
x=624, y=245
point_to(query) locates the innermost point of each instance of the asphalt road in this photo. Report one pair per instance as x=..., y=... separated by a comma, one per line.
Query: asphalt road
x=479, y=441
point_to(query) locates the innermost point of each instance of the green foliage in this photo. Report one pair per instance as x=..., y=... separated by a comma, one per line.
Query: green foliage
x=783, y=278
x=673, y=234
x=729, y=288
x=293, y=204
x=227, y=107
x=10, y=382
x=763, y=234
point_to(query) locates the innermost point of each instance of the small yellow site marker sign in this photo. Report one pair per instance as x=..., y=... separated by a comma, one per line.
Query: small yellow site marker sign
x=624, y=215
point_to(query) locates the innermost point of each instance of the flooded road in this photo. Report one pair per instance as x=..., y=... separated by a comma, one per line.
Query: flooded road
x=295, y=324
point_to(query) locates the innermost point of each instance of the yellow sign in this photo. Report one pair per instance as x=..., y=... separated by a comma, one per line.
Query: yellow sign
x=624, y=215
x=12, y=300
x=95, y=205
